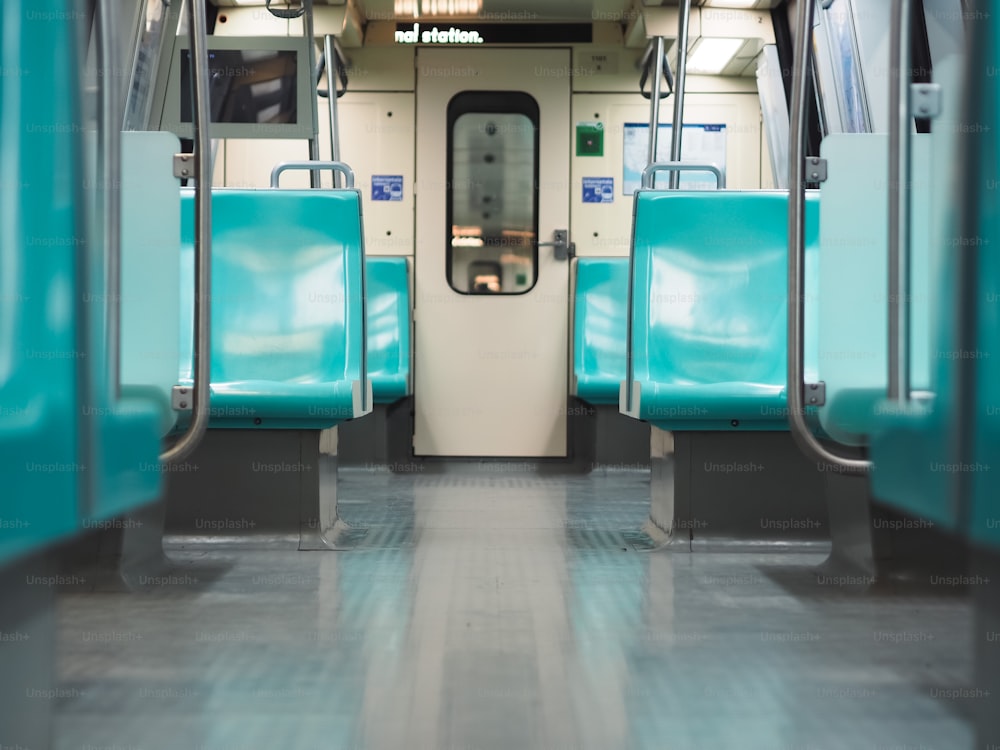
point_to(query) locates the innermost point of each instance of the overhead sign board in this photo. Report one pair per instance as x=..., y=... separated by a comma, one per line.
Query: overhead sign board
x=494, y=33
x=434, y=35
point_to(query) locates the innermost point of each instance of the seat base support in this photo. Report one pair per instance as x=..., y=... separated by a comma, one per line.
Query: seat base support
x=732, y=491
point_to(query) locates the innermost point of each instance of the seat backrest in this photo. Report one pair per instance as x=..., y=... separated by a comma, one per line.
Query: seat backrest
x=287, y=292
x=981, y=510
x=42, y=284
x=599, y=327
x=710, y=286
x=388, y=310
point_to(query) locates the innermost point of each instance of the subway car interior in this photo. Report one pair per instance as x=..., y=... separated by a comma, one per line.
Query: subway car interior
x=318, y=429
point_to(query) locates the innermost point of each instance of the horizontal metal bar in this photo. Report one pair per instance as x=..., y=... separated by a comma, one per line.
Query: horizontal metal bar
x=314, y=166
x=683, y=166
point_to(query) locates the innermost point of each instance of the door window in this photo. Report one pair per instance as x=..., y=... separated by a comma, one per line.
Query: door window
x=492, y=200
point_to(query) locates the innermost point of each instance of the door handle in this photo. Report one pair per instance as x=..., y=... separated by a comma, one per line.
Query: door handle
x=564, y=249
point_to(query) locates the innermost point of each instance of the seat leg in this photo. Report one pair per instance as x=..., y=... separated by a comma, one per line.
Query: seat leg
x=664, y=526
x=322, y=527
x=873, y=544
x=852, y=553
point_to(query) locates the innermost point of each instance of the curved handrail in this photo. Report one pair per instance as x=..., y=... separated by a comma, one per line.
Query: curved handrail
x=657, y=64
x=202, y=240
x=806, y=441
x=655, y=46
x=900, y=172
x=677, y=128
x=683, y=166
x=329, y=51
x=315, y=166
x=286, y=15
x=309, y=33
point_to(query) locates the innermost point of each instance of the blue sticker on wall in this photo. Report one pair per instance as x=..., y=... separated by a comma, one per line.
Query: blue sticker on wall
x=598, y=189
x=387, y=187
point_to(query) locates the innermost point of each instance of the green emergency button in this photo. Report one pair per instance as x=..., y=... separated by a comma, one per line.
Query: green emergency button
x=590, y=139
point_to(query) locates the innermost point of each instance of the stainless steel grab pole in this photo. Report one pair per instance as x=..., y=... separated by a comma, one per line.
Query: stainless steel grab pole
x=109, y=159
x=677, y=134
x=806, y=441
x=202, y=239
x=900, y=175
x=331, y=96
x=308, y=32
x=654, y=98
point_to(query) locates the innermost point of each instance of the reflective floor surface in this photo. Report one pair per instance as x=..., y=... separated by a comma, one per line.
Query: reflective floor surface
x=488, y=609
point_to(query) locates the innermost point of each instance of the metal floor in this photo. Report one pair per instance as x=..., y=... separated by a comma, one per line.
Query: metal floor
x=488, y=610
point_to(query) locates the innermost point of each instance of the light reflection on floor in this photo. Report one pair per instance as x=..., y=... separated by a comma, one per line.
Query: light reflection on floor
x=506, y=611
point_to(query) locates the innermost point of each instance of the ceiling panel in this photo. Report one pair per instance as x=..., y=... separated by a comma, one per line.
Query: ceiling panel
x=521, y=11
x=529, y=10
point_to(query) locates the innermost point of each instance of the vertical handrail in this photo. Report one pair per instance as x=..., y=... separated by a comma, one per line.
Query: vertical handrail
x=677, y=134
x=109, y=159
x=331, y=88
x=900, y=174
x=654, y=98
x=806, y=441
x=202, y=238
x=308, y=32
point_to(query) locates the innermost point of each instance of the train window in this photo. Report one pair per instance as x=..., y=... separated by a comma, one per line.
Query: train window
x=144, y=70
x=492, y=201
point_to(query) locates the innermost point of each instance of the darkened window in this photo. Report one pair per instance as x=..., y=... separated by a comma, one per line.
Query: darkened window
x=492, y=192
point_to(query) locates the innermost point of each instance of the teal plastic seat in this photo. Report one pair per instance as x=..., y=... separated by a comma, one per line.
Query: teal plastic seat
x=930, y=458
x=709, y=309
x=984, y=463
x=388, y=309
x=128, y=419
x=79, y=453
x=287, y=307
x=41, y=407
x=984, y=510
x=599, y=328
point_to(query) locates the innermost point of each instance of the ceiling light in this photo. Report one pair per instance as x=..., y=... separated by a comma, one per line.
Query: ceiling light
x=711, y=56
x=418, y=8
x=732, y=4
